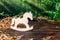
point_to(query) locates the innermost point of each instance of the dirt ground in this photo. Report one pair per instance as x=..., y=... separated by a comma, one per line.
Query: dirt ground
x=43, y=30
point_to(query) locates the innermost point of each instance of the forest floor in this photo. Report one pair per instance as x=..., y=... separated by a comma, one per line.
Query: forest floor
x=43, y=30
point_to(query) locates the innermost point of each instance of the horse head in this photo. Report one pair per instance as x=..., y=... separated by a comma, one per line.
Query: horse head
x=28, y=15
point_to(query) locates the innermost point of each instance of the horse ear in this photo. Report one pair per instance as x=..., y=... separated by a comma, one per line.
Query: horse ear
x=30, y=12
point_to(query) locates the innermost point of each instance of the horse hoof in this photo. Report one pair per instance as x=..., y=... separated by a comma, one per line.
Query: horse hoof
x=30, y=28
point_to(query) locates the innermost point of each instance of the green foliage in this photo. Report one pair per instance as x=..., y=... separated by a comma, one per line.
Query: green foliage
x=45, y=8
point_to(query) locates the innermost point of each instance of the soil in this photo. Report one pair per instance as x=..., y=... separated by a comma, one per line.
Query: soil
x=43, y=30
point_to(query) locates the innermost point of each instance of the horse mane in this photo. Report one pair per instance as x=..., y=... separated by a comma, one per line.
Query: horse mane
x=27, y=13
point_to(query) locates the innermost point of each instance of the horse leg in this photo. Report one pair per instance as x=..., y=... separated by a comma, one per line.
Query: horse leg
x=28, y=28
x=15, y=25
x=13, y=20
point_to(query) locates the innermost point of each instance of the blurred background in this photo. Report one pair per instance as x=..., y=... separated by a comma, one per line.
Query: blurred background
x=46, y=8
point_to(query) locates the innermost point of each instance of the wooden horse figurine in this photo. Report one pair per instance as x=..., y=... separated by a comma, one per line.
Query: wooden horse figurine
x=23, y=20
